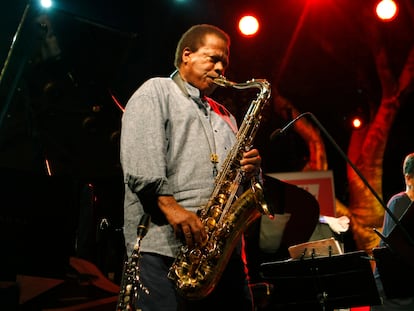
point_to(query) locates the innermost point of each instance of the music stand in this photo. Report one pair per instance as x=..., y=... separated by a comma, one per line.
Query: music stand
x=394, y=273
x=395, y=262
x=322, y=283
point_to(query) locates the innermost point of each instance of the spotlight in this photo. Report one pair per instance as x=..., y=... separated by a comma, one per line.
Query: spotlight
x=356, y=120
x=386, y=10
x=46, y=3
x=248, y=25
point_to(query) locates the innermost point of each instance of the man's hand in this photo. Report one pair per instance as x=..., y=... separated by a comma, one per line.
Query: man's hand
x=251, y=163
x=186, y=224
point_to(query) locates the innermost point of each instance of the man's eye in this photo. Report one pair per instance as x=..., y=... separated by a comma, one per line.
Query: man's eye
x=216, y=59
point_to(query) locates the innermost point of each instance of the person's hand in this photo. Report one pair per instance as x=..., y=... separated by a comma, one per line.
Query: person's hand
x=337, y=224
x=186, y=224
x=251, y=162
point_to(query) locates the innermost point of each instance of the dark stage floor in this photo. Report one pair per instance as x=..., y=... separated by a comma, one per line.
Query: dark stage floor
x=83, y=288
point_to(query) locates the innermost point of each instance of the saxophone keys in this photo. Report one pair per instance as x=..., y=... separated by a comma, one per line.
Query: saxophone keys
x=210, y=223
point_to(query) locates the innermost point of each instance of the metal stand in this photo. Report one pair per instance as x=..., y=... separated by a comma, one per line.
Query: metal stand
x=324, y=283
x=15, y=61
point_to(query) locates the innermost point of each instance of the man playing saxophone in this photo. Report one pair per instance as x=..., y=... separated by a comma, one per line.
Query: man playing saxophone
x=174, y=139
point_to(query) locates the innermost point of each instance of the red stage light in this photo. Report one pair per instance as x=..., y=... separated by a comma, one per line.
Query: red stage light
x=248, y=25
x=386, y=10
x=357, y=123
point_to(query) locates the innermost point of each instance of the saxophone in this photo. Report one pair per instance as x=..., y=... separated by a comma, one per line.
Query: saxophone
x=196, y=271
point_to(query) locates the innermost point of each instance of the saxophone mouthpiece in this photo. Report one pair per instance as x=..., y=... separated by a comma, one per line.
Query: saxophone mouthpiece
x=222, y=81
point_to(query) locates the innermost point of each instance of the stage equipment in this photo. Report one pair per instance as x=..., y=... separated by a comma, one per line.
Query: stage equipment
x=279, y=131
x=321, y=283
x=395, y=262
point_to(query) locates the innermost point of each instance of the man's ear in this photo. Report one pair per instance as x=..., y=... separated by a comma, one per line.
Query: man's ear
x=186, y=55
x=408, y=179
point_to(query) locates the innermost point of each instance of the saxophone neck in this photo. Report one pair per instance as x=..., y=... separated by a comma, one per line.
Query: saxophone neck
x=261, y=84
x=222, y=81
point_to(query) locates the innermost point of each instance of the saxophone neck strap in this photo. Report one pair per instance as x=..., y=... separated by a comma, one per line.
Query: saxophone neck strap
x=175, y=76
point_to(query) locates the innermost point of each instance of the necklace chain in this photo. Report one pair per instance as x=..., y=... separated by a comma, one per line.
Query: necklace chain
x=205, y=105
x=214, y=159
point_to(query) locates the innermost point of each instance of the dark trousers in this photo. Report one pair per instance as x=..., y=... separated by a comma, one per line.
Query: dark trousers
x=231, y=293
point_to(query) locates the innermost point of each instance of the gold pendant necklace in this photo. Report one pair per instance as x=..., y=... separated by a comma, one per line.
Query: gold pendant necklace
x=214, y=160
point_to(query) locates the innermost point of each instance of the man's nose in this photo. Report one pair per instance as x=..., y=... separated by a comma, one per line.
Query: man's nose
x=219, y=68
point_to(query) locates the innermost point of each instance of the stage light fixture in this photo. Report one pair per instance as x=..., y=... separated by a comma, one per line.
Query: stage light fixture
x=248, y=25
x=386, y=10
x=46, y=3
x=356, y=121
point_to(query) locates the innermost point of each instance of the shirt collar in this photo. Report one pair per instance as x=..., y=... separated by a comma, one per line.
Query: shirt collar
x=193, y=91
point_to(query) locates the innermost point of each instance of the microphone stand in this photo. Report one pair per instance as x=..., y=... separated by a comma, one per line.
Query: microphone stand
x=278, y=132
x=8, y=79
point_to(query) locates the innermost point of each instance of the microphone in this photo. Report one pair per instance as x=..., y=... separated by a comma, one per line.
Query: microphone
x=142, y=227
x=280, y=131
x=275, y=134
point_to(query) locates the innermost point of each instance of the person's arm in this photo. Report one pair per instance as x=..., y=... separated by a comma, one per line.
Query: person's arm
x=186, y=224
x=143, y=143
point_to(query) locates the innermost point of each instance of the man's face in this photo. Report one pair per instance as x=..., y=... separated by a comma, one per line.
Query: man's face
x=199, y=68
